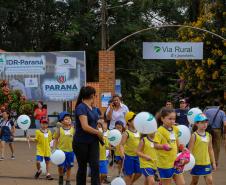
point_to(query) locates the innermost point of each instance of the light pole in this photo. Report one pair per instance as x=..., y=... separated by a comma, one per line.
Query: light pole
x=104, y=30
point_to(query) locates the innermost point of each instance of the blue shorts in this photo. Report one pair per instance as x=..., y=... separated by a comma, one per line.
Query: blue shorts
x=103, y=167
x=118, y=158
x=131, y=165
x=201, y=170
x=40, y=158
x=168, y=173
x=148, y=172
x=69, y=160
x=7, y=138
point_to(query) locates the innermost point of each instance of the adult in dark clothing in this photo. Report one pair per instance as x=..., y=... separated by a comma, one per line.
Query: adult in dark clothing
x=217, y=121
x=87, y=137
x=181, y=113
x=169, y=104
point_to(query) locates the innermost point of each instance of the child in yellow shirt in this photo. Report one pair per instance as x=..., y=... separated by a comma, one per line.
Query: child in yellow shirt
x=166, y=143
x=43, y=137
x=119, y=125
x=147, y=157
x=128, y=147
x=201, y=147
x=103, y=147
x=63, y=141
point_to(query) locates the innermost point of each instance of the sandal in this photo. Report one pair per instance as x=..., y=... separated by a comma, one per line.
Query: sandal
x=49, y=177
x=37, y=174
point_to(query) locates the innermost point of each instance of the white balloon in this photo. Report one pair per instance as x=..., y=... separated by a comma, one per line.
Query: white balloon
x=184, y=134
x=192, y=113
x=145, y=123
x=24, y=122
x=57, y=157
x=191, y=164
x=114, y=137
x=43, y=167
x=118, y=181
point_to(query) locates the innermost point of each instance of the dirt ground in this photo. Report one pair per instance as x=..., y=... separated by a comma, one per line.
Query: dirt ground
x=21, y=170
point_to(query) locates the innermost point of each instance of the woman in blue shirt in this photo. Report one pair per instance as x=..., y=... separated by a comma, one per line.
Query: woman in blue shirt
x=87, y=136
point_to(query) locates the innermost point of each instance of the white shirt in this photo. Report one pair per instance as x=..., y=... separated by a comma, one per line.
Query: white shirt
x=7, y=123
x=118, y=115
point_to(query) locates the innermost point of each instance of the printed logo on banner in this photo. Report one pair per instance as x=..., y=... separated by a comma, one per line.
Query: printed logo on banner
x=29, y=65
x=62, y=74
x=2, y=63
x=31, y=82
x=157, y=49
x=61, y=79
x=173, y=50
x=66, y=62
x=64, y=91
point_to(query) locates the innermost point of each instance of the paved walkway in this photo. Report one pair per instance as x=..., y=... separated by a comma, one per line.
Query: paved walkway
x=21, y=170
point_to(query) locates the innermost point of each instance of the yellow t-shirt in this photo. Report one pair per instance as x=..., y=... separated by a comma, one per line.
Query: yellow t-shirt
x=43, y=143
x=117, y=150
x=200, y=149
x=102, y=149
x=65, y=139
x=132, y=143
x=151, y=152
x=165, y=159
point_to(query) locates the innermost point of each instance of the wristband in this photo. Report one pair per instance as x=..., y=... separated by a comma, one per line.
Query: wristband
x=165, y=147
x=181, y=147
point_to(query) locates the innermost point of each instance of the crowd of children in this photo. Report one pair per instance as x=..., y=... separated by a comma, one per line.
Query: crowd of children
x=152, y=155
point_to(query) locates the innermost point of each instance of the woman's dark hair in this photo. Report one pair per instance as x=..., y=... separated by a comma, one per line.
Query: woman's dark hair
x=41, y=102
x=194, y=128
x=163, y=113
x=116, y=96
x=44, y=106
x=8, y=112
x=85, y=93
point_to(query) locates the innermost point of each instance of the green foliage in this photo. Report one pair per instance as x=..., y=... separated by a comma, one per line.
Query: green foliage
x=13, y=100
x=204, y=78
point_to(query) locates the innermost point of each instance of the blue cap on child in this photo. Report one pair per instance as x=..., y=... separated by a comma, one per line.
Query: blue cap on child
x=200, y=117
x=62, y=115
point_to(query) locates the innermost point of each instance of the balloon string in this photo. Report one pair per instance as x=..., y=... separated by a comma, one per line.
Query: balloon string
x=28, y=139
x=113, y=159
x=122, y=166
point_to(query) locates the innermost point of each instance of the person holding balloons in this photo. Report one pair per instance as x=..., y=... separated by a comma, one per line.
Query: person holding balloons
x=147, y=156
x=63, y=141
x=166, y=143
x=43, y=137
x=128, y=146
x=201, y=147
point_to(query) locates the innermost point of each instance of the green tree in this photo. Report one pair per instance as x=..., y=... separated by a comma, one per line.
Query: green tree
x=203, y=78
